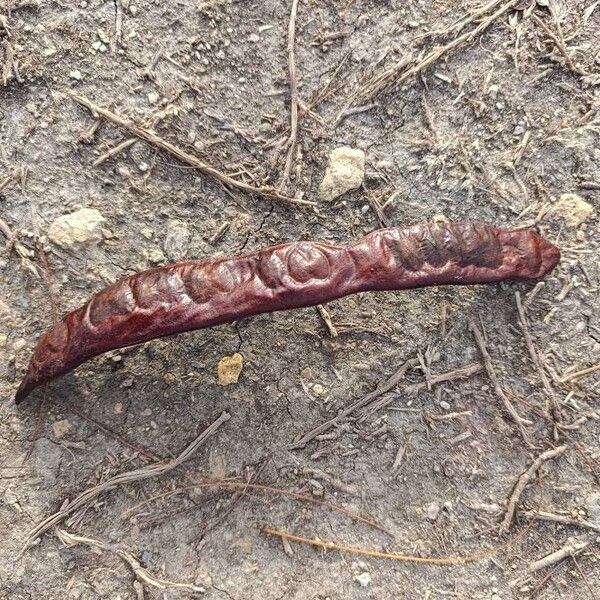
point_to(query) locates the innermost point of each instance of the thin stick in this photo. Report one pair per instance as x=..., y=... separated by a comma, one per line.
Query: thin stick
x=559, y=43
x=114, y=151
x=382, y=388
x=579, y=374
x=535, y=358
x=327, y=320
x=522, y=482
x=235, y=485
x=562, y=519
x=293, y=97
x=142, y=574
x=461, y=23
x=153, y=139
x=571, y=548
x=460, y=373
x=116, y=41
x=489, y=367
x=433, y=560
x=146, y=472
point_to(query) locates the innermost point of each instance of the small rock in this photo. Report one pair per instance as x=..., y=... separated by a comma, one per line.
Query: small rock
x=444, y=405
x=153, y=97
x=76, y=74
x=318, y=389
x=118, y=408
x=3, y=340
x=99, y=46
x=345, y=172
x=84, y=226
x=364, y=579
x=156, y=256
x=60, y=428
x=169, y=378
x=573, y=209
x=177, y=240
x=229, y=368
x=432, y=511
x=254, y=37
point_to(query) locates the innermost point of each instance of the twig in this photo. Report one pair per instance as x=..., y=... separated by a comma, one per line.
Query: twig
x=397, y=74
x=559, y=43
x=327, y=320
x=558, y=518
x=236, y=485
x=522, y=482
x=293, y=97
x=139, y=449
x=146, y=472
x=142, y=574
x=461, y=23
x=114, y=151
x=536, y=359
x=382, y=388
x=460, y=373
x=153, y=139
x=489, y=367
x=433, y=560
x=530, y=297
x=571, y=548
x=579, y=374
x=116, y=41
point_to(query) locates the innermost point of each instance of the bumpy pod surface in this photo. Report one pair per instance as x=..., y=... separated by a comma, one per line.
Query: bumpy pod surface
x=197, y=294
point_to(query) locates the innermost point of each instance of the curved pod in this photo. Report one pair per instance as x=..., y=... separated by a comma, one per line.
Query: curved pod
x=197, y=294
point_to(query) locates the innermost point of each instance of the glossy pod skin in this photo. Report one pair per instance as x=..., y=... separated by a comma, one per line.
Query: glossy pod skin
x=197, y=294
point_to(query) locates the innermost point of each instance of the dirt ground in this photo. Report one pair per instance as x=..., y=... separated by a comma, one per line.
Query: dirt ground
x=467, y=114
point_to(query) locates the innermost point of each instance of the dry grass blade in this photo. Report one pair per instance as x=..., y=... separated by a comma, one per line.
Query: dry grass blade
x=141, y=573
x=147, y=472
x=152, y=138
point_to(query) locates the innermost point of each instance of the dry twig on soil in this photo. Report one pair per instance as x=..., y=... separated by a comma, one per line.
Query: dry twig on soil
x=382, y=388
x=291, y=151
x=141, y=573
x=152, y=138
x=411, y=390
x=147, y=472
x=433, y=560
x=398, y=73
x=571, y=549
x=498, y=389
x=522, y=482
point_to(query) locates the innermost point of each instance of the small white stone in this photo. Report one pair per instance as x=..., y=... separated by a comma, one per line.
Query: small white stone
x=60, y=428
x=254, y=37
x=345, y=172
x=153, y=97
x=84, y=226
x=76, y=74
x=364, y=579
x=573, y=209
